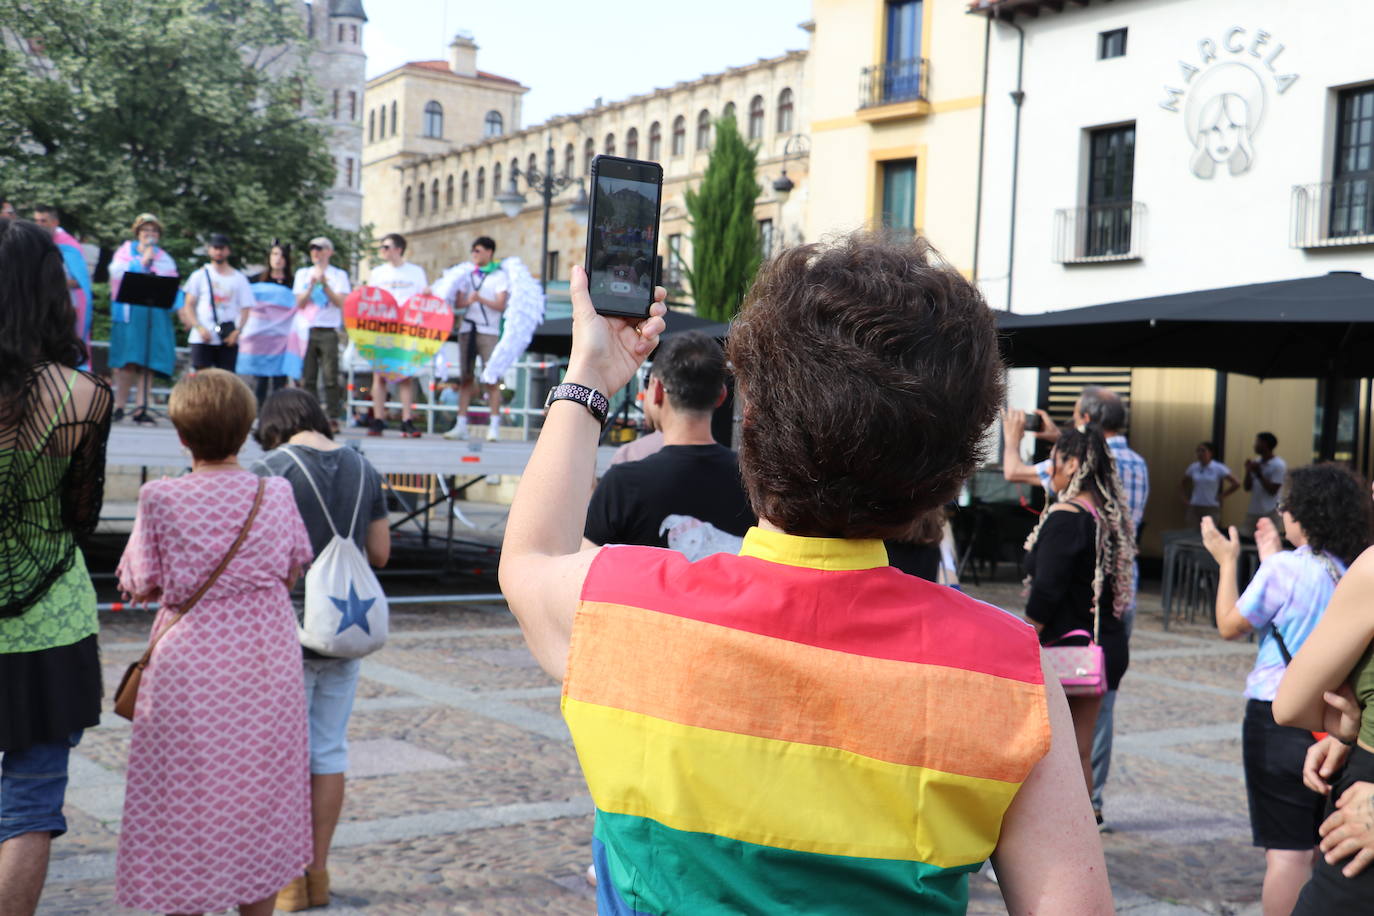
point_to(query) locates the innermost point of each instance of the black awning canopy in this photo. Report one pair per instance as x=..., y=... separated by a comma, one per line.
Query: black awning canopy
x=1316, y=327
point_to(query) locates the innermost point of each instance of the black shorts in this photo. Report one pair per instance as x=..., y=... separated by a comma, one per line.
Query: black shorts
x=1284, y=813
x=1329, y=891
x=214, y=356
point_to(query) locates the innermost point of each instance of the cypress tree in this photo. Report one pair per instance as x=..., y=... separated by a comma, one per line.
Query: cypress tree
x=725, y=240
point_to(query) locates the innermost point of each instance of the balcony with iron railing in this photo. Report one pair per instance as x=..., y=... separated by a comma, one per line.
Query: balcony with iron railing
x=899, y=86
x=1333, y=214
x=1099, y=233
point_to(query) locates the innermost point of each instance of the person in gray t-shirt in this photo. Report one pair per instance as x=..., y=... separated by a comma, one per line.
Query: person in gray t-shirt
x=292, y=419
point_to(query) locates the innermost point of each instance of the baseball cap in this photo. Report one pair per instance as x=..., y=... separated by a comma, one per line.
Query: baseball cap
x=321, y=241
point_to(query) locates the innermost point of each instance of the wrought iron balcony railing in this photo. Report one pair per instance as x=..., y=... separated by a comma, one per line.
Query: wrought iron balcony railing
x=894, y=81
x=1099, y=232
x=1329, y=214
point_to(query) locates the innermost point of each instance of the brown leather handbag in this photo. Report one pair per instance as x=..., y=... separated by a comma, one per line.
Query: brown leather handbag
x=126, y=696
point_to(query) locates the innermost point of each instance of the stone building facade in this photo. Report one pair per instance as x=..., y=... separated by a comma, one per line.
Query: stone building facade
x=443, y=199
x=339, y=65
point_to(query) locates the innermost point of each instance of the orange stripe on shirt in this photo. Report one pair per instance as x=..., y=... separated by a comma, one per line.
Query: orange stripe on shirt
x=924, y=715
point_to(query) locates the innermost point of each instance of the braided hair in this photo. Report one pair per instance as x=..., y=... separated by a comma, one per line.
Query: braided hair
x=1097, y=476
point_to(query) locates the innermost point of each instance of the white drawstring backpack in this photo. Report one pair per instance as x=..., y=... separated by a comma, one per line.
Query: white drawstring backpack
x=345, y=608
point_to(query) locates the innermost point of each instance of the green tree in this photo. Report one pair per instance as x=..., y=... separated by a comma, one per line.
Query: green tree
x=725, y=239
x=191, y=109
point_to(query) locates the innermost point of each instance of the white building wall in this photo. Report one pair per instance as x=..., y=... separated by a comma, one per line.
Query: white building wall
x=1199, y=233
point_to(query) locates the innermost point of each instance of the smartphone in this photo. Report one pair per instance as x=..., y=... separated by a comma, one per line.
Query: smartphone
x=622, y=235
x=1033, y=422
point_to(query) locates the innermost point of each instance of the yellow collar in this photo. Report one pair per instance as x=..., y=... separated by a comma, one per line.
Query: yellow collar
x=814, y=553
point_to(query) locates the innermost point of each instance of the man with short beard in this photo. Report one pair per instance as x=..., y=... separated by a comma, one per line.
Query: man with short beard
x=218, y=299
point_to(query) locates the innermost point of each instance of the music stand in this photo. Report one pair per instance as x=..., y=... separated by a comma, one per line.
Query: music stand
x=149, y=291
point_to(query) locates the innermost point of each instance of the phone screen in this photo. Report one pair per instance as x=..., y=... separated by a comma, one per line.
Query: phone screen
x=622, y=234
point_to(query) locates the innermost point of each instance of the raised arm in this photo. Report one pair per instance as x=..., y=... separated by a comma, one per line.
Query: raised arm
x=1049, y=856
x=1225, y=549
x=1327, y=656
x=542, y=563
x=1013, y=468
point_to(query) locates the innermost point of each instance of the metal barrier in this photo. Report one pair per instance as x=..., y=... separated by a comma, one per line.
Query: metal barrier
x=492, y=598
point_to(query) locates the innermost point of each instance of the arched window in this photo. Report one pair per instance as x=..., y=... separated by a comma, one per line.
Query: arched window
x=785, y=111
x=434, y=119
x=655, y=141
x=569, y=159
x=420, y=200
x=448, y=193
x=496, y=179
x=410, y=193
x=514, y=168
x=481, y=182
x=679, y=135
x=371, y=125
x=728, y=111
x=394, y=123
x=704, y=129
x=756, y=118
x=463, y=192
x=434, y=196
x=632, y=143
x=588, y=153
x=533, y=164
x=493, y=126
x=609, y=148
x=353, y=34
x=381, y=124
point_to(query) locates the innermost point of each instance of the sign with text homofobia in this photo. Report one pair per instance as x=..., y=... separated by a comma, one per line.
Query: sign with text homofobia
x=397, y=339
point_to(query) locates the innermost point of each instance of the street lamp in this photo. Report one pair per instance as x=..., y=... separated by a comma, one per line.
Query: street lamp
x=797, y=145
x=547, y=185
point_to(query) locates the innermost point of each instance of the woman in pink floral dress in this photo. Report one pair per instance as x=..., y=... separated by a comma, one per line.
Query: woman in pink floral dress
x=217, y=806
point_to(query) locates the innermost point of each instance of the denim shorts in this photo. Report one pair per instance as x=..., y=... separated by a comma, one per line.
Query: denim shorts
x=329, y=687
x=33, y=784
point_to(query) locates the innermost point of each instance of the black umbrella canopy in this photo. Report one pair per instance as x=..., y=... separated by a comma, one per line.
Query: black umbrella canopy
x=1316, y=327
x=555, y=337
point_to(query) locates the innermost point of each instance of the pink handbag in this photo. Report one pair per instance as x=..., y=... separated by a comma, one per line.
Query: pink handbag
x=1081, y=669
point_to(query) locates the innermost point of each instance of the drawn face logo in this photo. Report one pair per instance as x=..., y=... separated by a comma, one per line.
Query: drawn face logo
x=1224, y=110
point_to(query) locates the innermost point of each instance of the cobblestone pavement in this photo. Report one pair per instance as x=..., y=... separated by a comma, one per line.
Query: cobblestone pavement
x=464, y=794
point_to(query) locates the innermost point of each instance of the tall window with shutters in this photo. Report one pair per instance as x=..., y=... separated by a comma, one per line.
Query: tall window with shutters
x=756, y=118
x=703, y=129
x=679, y=135
x=785, y=111
x=655, y=141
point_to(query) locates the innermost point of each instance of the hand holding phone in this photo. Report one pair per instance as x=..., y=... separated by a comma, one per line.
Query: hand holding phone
x=608, y=349
x=622, y=235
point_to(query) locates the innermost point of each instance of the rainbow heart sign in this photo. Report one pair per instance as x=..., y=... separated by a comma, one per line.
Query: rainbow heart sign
x=397, y=339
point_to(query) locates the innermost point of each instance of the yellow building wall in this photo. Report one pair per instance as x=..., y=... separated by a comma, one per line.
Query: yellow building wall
x=1171, y=412
x=849, y=146
x=1285, y=407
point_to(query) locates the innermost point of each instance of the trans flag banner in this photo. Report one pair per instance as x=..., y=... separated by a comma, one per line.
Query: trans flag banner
x=75, y=262
x=273, y=338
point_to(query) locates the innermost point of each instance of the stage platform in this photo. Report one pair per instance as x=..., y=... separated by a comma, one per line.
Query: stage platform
x=158, y=447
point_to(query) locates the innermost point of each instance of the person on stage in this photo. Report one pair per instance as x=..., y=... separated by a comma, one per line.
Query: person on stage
x=320, y=291
x=402, y=280
x=74, y=263
x=218, y=302
x=483, y=288
x=278, y=271
x=141, y=339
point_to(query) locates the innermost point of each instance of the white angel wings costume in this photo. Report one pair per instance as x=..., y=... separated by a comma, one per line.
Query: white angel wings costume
x=523, y=316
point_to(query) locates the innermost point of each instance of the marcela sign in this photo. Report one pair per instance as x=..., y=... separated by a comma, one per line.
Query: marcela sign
x=397, y=339
x=1224, y=97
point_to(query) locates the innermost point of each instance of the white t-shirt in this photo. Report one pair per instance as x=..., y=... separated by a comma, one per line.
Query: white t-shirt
x=402, y=282
x=1206, y=482
x=468, y=278
x=1262, y=502
x=328, y=315
x=232, y=295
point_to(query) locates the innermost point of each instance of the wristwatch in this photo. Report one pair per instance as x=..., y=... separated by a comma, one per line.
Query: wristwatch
x=590, y=398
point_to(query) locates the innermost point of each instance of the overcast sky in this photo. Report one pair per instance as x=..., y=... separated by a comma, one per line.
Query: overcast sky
x=570, y=53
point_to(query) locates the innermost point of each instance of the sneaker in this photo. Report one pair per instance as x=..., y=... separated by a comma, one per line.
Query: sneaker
x=493, y=433
x=118, y=415
x=143, y=418
x=376, y=428
x=409, y=431
x=459, y=431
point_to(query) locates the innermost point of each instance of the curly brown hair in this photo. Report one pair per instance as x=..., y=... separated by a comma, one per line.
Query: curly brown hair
x=869, y=372
x=1333, y=506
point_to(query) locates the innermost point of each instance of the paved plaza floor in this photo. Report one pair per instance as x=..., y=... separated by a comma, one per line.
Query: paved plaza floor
x=464, y=794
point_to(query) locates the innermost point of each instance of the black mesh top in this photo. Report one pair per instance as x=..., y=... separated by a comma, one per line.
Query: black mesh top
x=52, y=479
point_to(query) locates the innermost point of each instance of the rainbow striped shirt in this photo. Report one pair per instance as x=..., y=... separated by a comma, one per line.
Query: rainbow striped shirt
x=797, y=729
